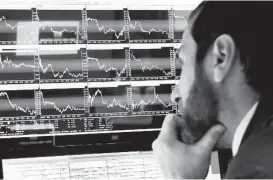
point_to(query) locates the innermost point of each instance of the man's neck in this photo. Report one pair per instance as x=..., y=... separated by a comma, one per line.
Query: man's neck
x=234, y=108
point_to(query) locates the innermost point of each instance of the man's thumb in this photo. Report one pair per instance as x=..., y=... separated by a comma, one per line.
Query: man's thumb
x=209, y=140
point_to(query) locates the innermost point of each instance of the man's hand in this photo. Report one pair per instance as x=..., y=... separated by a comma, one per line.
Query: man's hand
x=181, y=161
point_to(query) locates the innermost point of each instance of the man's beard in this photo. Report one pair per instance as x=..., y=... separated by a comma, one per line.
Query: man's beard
x=200, y=111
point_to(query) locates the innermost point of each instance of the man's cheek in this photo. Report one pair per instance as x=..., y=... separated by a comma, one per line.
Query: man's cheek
x=185, y=86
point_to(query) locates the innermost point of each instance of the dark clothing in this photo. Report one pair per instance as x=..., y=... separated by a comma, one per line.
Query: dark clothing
x=255, y=156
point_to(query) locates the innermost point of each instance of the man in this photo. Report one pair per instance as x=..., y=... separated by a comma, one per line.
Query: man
x=224, y=93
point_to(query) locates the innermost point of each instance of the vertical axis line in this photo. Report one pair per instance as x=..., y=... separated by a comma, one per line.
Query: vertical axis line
x=171, y=24
x=172, y=62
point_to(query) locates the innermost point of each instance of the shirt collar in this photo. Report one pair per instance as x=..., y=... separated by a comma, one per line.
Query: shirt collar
x=241, y=129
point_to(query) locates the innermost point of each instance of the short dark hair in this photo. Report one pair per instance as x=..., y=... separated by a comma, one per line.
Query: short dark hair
x=250, y=24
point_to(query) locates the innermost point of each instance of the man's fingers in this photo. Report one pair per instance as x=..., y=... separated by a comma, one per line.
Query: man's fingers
x=209, y=140
x=169, y=127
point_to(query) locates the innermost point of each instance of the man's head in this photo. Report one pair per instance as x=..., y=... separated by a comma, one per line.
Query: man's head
x=226, y=64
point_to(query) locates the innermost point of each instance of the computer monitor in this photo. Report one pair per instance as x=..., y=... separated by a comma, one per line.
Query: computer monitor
x=85, y=88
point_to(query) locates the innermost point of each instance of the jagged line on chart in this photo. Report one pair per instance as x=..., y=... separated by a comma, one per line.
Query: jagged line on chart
x=102, y=28
x=60, y=110
x=58, y=74
x=49, y=24
x=109, y=105
x=44, y=69
x=144, y=67
x=109, y=69
x=3, y=18
x=7, y=24
x=9, y=62
x=18, y=108
x=180, y=17
x=156, y=97
x=143, y=30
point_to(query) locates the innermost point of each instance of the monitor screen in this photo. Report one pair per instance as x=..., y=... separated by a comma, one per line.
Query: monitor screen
x=87, y=69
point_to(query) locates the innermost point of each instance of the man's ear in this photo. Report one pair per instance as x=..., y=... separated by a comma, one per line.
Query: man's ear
x=224, y=51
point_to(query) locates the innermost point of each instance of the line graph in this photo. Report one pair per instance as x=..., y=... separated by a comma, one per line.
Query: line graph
x=60, y=102
x=137, y=26
x=180, y=23
x=142, y=28
x=51, y=27
x=8, y=63
x=10, y=22
x=4, y=20
x=150, y=64
x=17, y=103
x=60, y=26
x=104, y=68
x=59, y=75
x=104, y=30
x=108, y=100
x=16, y=68
x=151, y=99
x=105, y=25
x=56, y=68
x=106, y=65
x=154, y=100
x=109, y=104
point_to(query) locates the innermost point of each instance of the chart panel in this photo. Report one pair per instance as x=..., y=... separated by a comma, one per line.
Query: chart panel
x=108, y=101
x=16, y=69
x=106, y=65
x=60, y=26
x=17, y=103
x=152, y=99
x=105, y=26
x=61, y=102
x=148, y=25
x=16, y=27
x=60, y=67
x=151, y=64
x=180, y=24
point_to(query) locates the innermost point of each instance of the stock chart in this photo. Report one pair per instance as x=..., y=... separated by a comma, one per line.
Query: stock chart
x=88, y=69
